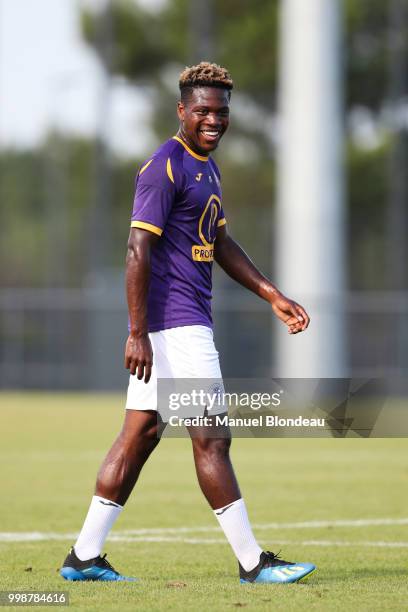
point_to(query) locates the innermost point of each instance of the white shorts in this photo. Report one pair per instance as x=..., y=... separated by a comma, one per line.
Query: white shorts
x=180, y=352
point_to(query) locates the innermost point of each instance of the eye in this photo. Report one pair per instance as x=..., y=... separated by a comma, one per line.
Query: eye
x=201, y=111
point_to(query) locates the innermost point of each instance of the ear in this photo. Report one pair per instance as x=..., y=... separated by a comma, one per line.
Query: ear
x=180, y=111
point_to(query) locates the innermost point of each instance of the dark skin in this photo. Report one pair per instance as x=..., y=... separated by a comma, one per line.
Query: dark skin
x=204, y=118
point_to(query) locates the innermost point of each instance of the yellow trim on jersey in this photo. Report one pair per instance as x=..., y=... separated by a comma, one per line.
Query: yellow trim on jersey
x=147, y=226
x=169, y=170
x=200, y=223
x=187, y=148
x=145, y=167
x=221, y=222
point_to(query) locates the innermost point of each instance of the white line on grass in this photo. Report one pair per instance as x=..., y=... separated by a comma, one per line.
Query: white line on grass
x=267, y=526
x=278, y=542
x=41, y=537
x=175, y=534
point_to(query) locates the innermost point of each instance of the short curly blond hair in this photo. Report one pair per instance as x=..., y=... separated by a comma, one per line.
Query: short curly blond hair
x=205, y=74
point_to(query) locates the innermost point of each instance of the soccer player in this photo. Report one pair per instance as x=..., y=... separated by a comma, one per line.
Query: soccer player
x=178, y=228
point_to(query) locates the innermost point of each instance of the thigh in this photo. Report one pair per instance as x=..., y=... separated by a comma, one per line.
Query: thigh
x=142, y=396
x=185, y=353
x=194, y=364
x=189, y=352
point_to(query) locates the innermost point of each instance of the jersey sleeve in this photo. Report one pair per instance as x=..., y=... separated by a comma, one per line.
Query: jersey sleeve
x=154, y=195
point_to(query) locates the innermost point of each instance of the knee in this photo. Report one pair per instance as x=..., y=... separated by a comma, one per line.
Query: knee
x=145, y=442
x=150, y=439
x=214, y=447
x=144, y=439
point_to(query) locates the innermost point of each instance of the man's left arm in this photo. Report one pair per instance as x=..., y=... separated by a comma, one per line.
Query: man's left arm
x=236, y=263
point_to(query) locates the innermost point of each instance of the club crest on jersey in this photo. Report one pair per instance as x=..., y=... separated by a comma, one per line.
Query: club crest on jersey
x=198, y=176
x=207, y=228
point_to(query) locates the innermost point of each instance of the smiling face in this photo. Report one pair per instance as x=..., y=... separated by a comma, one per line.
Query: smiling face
x=204, y=117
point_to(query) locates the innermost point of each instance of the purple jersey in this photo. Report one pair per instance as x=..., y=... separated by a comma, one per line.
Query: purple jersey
x=178, y=197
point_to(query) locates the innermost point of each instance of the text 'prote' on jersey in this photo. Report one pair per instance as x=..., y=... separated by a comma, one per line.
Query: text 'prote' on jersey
x=178, y=197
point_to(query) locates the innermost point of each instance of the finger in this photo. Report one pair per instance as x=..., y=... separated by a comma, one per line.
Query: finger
x=305, y=316
x=294, y=328
x=292, y=321
x=148, y=372
x=127, y=361
x=140, y=369
x=132, y=365
x=296, y=313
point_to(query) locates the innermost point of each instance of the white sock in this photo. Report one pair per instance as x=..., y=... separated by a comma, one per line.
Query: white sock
x=101, y=515
x=234, y=522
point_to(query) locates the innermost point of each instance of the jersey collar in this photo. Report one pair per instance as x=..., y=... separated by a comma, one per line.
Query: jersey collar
x=187, y=148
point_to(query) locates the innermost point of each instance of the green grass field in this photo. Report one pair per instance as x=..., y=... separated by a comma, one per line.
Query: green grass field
x=52, y=445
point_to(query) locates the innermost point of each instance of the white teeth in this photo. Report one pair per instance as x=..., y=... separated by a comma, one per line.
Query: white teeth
x=210, y=133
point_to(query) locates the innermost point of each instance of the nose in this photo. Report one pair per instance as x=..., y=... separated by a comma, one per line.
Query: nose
x=213, y=119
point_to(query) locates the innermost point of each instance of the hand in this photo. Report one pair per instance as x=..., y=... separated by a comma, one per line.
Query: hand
x=139, y=357
x=290, y=312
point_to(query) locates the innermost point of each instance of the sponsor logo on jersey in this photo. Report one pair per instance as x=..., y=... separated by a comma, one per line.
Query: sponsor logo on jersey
x=202, y=253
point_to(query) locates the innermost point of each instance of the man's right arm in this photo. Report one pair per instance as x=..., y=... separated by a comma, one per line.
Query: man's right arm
x=138, y=352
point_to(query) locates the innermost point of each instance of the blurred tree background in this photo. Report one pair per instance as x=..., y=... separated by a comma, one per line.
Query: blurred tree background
x=50, y=220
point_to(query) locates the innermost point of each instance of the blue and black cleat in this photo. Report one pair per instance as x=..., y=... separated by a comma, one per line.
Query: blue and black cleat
x=272, y=569
x=92, y=569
